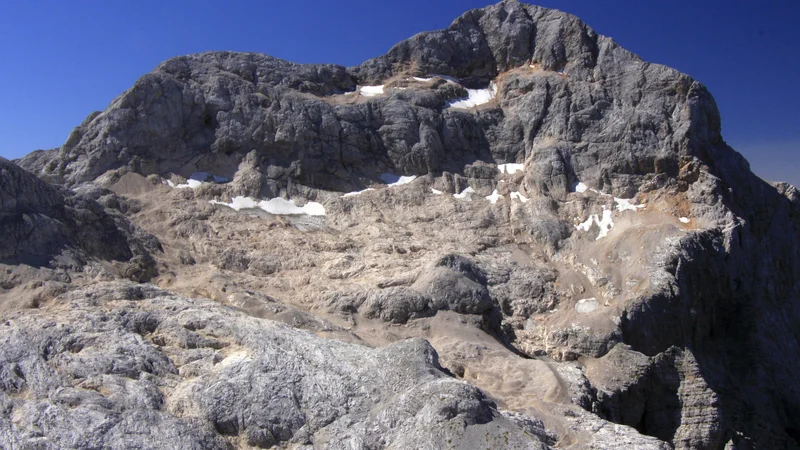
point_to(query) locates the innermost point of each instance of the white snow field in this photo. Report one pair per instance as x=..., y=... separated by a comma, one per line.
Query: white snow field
x=277, y=206
x=510, y=168
x=476, y=97
x=466, y=194
x=370, y=91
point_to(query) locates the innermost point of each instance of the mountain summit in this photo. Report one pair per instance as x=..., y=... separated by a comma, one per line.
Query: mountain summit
x=510, y=233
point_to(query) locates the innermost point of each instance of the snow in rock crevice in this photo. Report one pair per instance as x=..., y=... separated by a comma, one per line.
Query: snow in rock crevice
x=466, y=194
x=510, y=168
x=447, y=78
x=352, y=194
x=277, y=206
x=205, y=176
x=396, y=180
x=604, y=223
x=685, y=220
x=475, y=97
x=190, y=184
x=519, y=196
x=370, y=91
x=624, y=204
x=494, y=197
x=197, y=179
x=586, y=305
x=390, y=179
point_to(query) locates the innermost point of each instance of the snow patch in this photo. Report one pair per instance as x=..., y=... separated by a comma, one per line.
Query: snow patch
x=190, y=184
x=519, y=196
x=605, y=224
x=476, y=97
x=448, y=78
x=240, y=203
x=510, y=168
x=685, y=220
x=436, y=191
x=585, y=226
x=494, y=197
x=205, y=176
x=624, y=204
x=390, y=179
x=370, y=91
x=586, y=305
x=277, y=206
x=282, y=206
x=396, y=180
x=466, y=194
x=197, y=179
x=600, y=193
x=581, y=188
x=351, y=194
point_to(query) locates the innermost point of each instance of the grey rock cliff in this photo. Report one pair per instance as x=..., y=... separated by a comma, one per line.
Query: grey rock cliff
x=629, y=282
x=592, y=111
x=162, y=371
x=44, y=225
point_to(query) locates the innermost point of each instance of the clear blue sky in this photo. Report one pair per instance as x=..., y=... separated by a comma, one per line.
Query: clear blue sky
x=65, y=59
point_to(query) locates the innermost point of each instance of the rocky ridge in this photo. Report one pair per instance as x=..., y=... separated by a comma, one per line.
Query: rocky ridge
x=583, y=227
x=51, y=232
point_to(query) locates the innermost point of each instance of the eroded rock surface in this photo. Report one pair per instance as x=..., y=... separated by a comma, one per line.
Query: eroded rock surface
x=129, y=365
x=577, y=261
x=46, y=226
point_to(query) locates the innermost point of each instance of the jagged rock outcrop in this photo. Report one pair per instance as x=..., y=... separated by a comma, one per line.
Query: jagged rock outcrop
x=162, y=371
x=581, y=106
x=48, y=226
x=625, y=271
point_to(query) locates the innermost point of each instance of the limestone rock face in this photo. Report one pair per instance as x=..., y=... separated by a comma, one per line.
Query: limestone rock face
x=511, y=231
x=577, y=105
x=43, y=225
x=162, y=371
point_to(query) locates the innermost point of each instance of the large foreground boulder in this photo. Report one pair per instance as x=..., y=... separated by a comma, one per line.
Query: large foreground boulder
x=121, y=365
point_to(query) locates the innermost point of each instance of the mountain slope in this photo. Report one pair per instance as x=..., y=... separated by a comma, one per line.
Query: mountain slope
x=560, y=219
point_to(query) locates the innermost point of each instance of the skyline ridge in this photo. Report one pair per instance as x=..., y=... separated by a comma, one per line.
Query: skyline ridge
x=42, y=121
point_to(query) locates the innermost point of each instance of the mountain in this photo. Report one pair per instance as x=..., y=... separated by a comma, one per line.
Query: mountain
x=511, y=232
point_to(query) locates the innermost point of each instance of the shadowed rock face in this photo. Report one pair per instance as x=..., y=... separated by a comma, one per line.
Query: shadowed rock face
x=629, y=281
x=44, y=225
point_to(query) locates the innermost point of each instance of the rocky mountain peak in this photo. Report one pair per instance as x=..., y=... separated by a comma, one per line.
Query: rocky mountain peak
x=485, y=42
x=207, y=106
x=511, y=231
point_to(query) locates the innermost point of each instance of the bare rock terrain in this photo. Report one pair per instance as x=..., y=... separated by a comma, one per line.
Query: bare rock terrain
x=511, y=233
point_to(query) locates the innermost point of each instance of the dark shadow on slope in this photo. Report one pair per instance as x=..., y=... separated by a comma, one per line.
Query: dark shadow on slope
x=734, y=302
